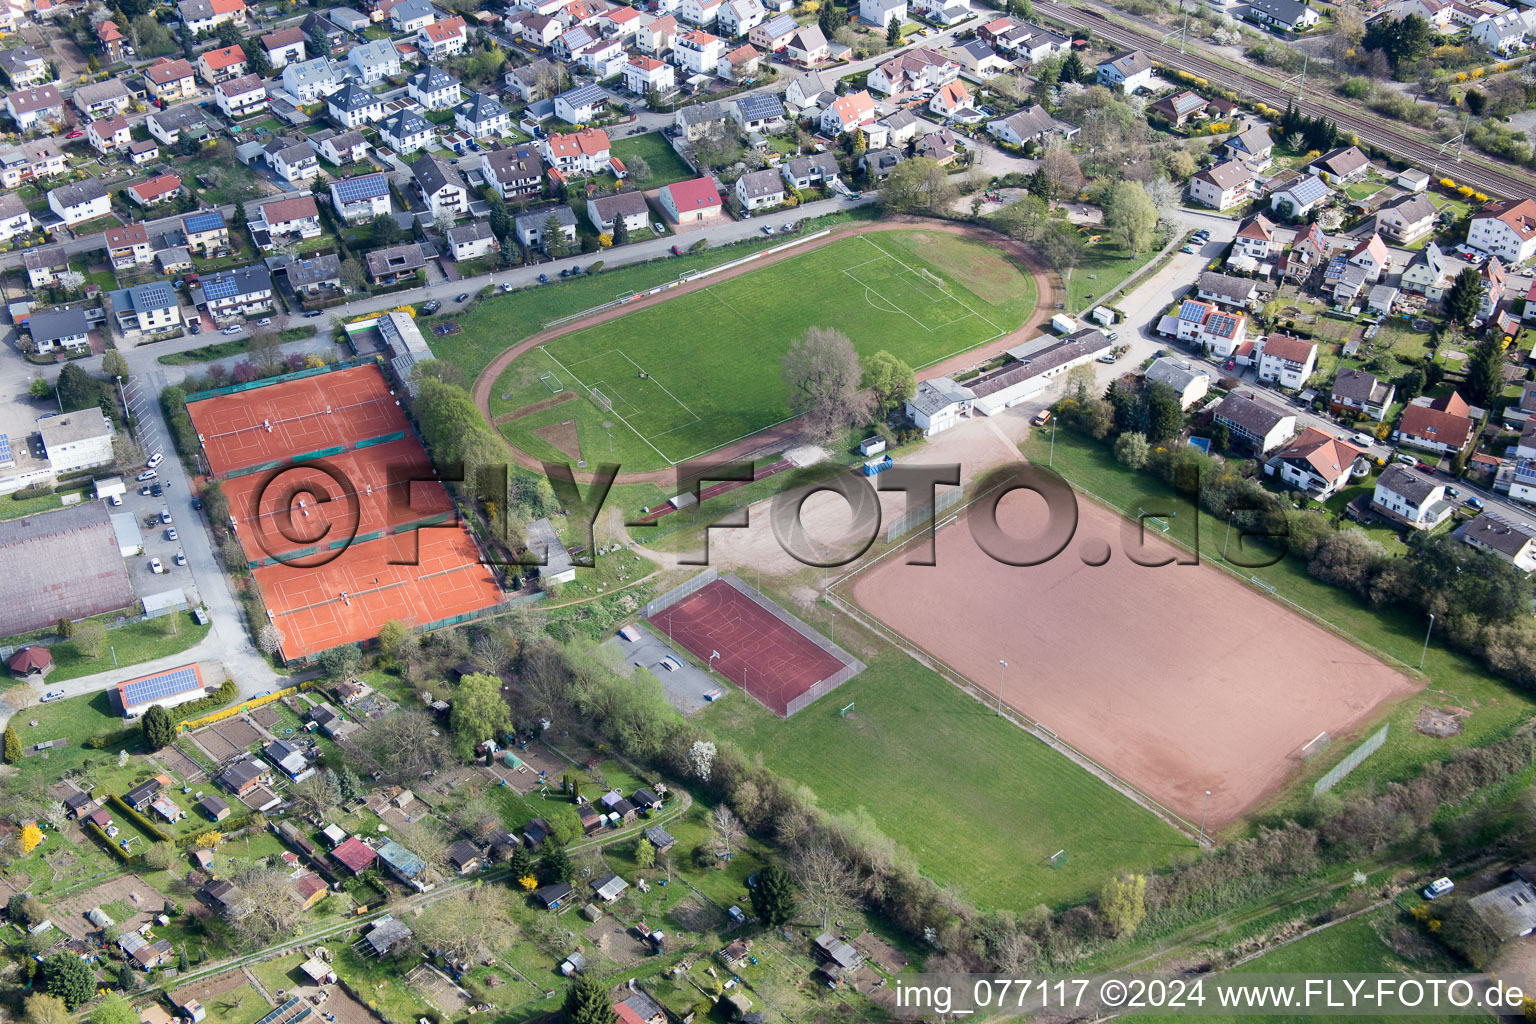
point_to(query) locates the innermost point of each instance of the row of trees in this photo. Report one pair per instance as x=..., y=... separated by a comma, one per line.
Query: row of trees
x=833, y=390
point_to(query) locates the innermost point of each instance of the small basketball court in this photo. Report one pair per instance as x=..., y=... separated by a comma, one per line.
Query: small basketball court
x=735, y=631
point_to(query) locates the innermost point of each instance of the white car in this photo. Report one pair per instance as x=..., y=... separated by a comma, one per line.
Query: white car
x=115, y=500
x=154, y=460
x=1362, y=439
x=181, y=559
x=165, y=518
x=265, y=321
x=52, y=695
x=230, y=330
x=148, y=474
x=155, y=566
x=170, y=533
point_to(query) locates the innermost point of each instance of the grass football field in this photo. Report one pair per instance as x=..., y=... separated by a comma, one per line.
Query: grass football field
x=688, y=375
x=979, y=803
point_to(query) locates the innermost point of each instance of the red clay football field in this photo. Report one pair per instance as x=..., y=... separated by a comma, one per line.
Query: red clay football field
x=1178, y=679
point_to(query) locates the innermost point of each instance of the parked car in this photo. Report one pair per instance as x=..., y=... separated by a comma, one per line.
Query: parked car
x=676, y=251
x=155, y=490
x=1409, y=461
x=156, y=567
x=76, y=134
x=1439, y=887
x=543, y=279
x=461, y=297
x=575, y=271
x=197, y=504
x=155, y=460
x=767, y=229
x=1362, y=439
x=52, y=695
x=1475, y=502
x=1042, y=418
x=115, y=500
x=312, y=314
x=265, y=321
x=230, y=330
x=506, y=287
x=144, y=491
x=1189, y=248
x=148, y=474
x=165, y=517
x=195, y=327
x=1451, y=492
x=170, y=533
x=181, y=559
x=431, y=306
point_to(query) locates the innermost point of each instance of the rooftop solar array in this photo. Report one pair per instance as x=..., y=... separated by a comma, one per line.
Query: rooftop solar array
x=163, y=684
x=366, y=186
x=221, y=287
x=5, y=449
x=204, y=220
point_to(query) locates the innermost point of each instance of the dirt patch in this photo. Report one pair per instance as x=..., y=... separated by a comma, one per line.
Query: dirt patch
x=1223, y=718
x=238, y=732
x=129, y=890
x=209, y=988
x=890, y=959
x=215, y=746
x=444, y=995
x=563, y=436
x=1439, y=722
x=695, y=915
x=529, y=410
x=616, y=942
x=180, y=764
x=343, y=1009
x=266, y=717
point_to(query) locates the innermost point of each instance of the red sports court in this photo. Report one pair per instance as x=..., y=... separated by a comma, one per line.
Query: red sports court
x=347, y=599
x=295, y=417
x=772, y=660
x=354, y=494
x=420, y=575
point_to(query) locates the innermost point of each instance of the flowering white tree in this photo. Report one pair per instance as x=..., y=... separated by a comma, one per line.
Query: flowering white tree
x=701, y=757
x=270, y=639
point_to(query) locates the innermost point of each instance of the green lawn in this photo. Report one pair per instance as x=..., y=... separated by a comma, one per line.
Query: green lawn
x=677, y=391
x=981, y=804
x=15, y=506
x=207, y=353
x=1497, y=707
x=1105, y=265
x=666, y=166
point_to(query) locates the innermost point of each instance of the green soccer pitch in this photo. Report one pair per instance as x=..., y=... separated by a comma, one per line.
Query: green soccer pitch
x=683, y=377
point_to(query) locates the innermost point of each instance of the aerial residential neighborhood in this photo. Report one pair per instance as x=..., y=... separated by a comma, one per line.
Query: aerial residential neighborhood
x=423, y=458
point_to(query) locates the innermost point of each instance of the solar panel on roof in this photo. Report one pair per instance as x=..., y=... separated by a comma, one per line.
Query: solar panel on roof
x=5, y=448
x=165, y=684
x=365, y=187
x=210, y=220
x=221, y=287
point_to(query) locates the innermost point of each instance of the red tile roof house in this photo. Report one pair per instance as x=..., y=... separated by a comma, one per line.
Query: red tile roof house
x=155, y=190
x=355, y=855
x=1442, y=426
x=1316, y=463
x=691, y=202
x=215, y=66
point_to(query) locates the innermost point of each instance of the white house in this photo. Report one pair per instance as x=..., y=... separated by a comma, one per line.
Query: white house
x=1253, y=423
x=1373, y=257
x=405, y=132
x=241, y=291
x=74, y=441
x=241, y=97
x=361, y=198
x=1407, y=218
x=1255, y=239
x=37, y=105
x=1511, y=541
x=1361, y=393
x=1126, y=73
x=443, y=38
x=1506, y=228
x=584, y=152
x=471, y=241
x=1288, y=15
x=938, y=404
x=739, y=17
x=530, y=227
x=581, y=104
x=1189, y=384
x=605, y=212
x=1410, y=498
x=15, y=218
x=290, y=217
x=311, y=80
x=441, y=185
x=699, y=52
x=434, y=89
x=80, y=201
x=1223, y=186
x=1316, y=463
x=758, y=190
x=880, y=13
x=642, y=75
x=283, y=47
x=702, y=13
x=482, y=117
x=1299, y=198
x=849, y=112
x=374, y=61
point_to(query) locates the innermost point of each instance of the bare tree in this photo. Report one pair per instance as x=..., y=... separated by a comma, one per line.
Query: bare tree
x=727, y=826
x=544, y=681
x=266, y=350
x=491, y=652
x=827, y=883
x=463, y=925
x=405, y=746
x=1061, y=169
x=320, y=793
x=822, y=374
x=426, y=840
x=274, y=909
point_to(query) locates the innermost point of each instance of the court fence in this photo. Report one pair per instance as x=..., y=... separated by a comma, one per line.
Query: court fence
x=851, y=665
x=1351, y=761
x=926, y=512
x=685, y=589
x=312, y=371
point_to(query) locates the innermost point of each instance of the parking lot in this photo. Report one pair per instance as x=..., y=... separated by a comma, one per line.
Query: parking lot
x=157, y=544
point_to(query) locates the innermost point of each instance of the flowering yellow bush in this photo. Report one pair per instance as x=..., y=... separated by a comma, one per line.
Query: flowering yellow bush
x=604, y=240
x=1447, y=183
x=31, y=836
x=1480, y=197
x=1465, y=191
x=1477, y=72
x=528, y=882
x=1461, y=76
x=208, y=840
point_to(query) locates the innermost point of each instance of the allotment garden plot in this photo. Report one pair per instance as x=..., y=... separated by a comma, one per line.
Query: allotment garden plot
x=682, y=377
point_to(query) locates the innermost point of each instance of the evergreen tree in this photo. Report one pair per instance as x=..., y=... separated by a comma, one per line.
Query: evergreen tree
x=1485, y=370
x=586, y=1002
x=520, y=864
x=1462, y=299
x=159, y=730
x=12, y=746
x=893, y=31
x=773, y=899
x=1041, y=186
x=68, y=977
x=620, y=231
x=556, y=865
x=1072, y=69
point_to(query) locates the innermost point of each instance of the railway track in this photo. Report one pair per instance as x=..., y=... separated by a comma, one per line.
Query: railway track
x=1368, y=130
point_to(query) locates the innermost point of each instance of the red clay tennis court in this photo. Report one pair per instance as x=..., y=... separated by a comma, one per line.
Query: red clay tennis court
x=347, y=599
x=353, y=494
x=292, y=417
x=772, y=660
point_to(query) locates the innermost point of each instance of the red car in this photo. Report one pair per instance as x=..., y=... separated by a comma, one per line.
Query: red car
x=76, y=134
x=676, y=251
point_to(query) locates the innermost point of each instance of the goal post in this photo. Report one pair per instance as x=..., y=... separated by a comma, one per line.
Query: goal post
x=844, y=713
x=932, y=278
x=1319, y=743
x=601, y=400
x=1058, y=860
x=552, y=382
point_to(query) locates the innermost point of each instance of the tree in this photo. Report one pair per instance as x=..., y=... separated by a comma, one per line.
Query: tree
x=341, y=662
x=89, y=638
x=1072, y=69
x=491, y=652
x=893, y=31
x=1463, y=297
x=917, y=185
x=556, y=865
x=1130, y=213
x=348, y=785
x=1062, y=248
x=76, y=390
x=31, y=838
x=564, y=823
x=586, y=1001
x=773, y=898
x=479, y=712
x=113, y=364
x=159, y=729
x=520, y=864
x=403, y=746
x=639, y=171
x=270, y=639
x=115, y=1010
x=1485, y=370
x=161, y=856
x=1165, y=415
x=47, y=1009
x=40, y=388
x=821, y=373
x=1131, y=450
x=319, y=793
x=69, y=978
x=1123, y=903
x=13, y=753
x=275, y=910
x=827, y=883
x=1061, y=169
x=889, y=379
x=620, y=231
x=1221, y=438
x=1023, y=219
x=645, y=853
x=266, y=350
x=394, y=639
x=555, y=243
x=463, y=925
x=384, y=231
x=726, y=825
